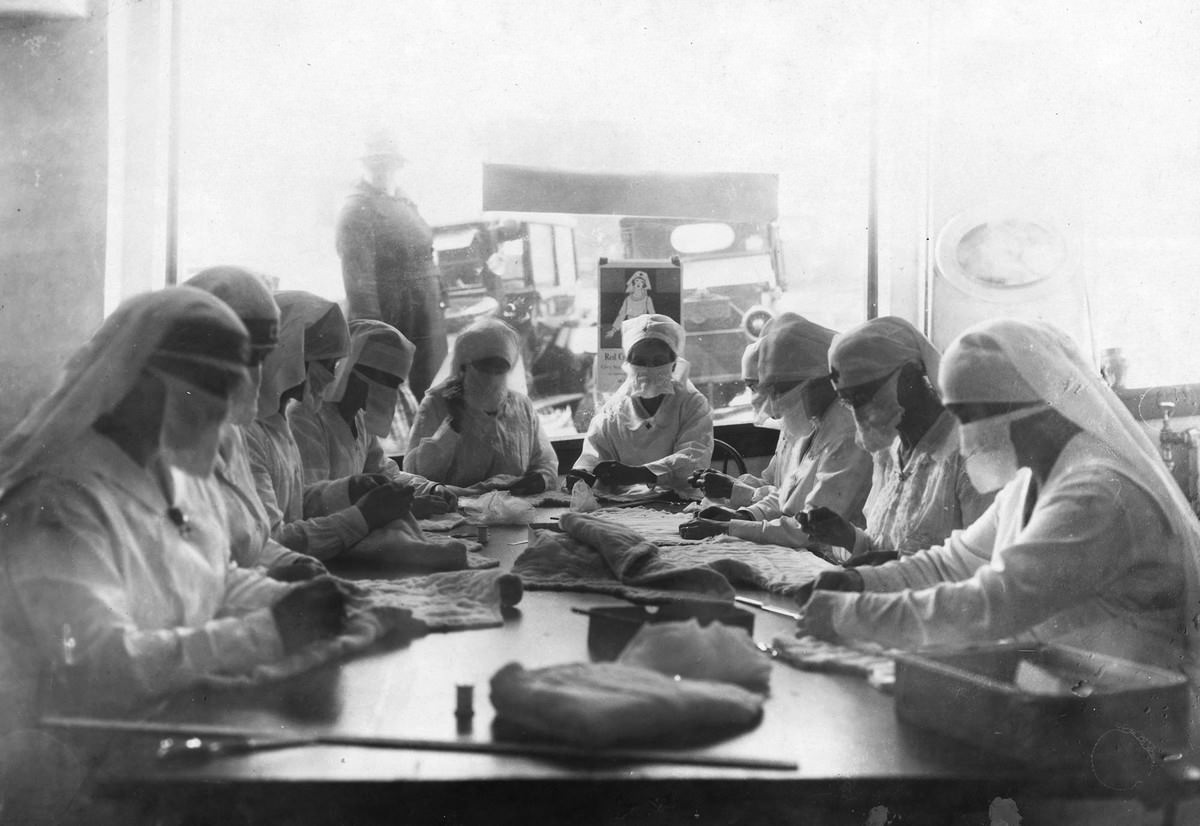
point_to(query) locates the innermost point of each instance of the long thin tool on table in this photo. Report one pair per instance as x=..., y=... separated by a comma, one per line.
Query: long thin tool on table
x=770, y=609
x=541, y=750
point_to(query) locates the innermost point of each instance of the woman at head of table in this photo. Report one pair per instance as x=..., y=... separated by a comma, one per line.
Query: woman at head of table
x=339, y=439
x=885, y=370
x=473, y=429
x=1089, y=541
x=117, y=567
x=251, y=544
x=312, y=337
x=656, y=429
x=819, y=463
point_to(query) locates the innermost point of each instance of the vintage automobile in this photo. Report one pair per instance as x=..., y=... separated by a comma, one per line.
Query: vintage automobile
x=519, y=263
x=523, y=270
x=731, y=275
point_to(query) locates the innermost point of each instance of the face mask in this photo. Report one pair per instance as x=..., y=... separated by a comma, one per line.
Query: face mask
x=243, y=403
x=381, y=406
x=484, y=391
x=792, y=410
x=649, y=382
x=877, y=420
x=191, y=427
x=988, y=450
x=319, y=378
x=759, y=403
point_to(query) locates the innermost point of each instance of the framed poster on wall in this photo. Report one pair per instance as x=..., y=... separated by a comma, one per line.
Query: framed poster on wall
x=627, y=289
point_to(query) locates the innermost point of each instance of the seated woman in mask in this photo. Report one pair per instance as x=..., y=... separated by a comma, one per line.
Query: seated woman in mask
x=1089, y=541
x=820, y=463
x=116, y=553
x=339, y=440
x=747, y=488
x=312, y=337
x=249, y=528
x=886, y=372
x=472, y=430
x=657, y=428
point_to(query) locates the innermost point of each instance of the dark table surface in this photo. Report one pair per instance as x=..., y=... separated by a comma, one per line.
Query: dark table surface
x=850, y=749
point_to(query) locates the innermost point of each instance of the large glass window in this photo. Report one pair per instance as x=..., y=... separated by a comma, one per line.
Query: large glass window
x=1083, y=117
x=278, y=95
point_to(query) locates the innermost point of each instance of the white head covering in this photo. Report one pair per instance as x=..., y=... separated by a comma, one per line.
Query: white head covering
x=878, y=347
x=654, y=326
x=103, y=371
x=310, y=328
x=372, y=344
x=793, y=349
x=485, y=338
x=1007, y=360
x=247, y=294
x=750, y=360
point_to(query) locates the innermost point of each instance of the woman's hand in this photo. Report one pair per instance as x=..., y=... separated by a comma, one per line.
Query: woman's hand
x=619, y=475
x=702, y=529
x=528, y=485
x=715, y=485
x=826, y=526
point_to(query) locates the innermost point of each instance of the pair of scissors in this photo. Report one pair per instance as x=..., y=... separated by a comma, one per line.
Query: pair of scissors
x=205, y=748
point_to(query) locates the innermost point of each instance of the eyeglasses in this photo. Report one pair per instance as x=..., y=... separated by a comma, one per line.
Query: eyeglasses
x=861, y=394
x=781, y=388
x=652, y=360
x=380, y=376
x=494, y=366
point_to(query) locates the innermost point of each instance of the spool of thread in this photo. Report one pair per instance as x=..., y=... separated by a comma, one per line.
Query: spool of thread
x=464, y=701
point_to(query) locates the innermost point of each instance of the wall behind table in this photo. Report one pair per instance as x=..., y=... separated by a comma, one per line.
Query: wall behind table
x=53, y=177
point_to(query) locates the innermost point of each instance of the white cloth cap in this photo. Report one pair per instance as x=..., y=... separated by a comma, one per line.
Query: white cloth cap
x=652, y=326
x=793, y=349
x=373, y=344
x=750, y=361
x=285, y=367
x=485, y=338
x=877, y=348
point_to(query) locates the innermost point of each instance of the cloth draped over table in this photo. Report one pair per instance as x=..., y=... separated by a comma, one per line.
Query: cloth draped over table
x=600, y=555
x=390, y=608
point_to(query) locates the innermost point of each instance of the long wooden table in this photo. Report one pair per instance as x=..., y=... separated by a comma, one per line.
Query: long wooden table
x=851, y=752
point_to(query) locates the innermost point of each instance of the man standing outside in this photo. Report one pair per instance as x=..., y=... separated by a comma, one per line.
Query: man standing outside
x=387, y=261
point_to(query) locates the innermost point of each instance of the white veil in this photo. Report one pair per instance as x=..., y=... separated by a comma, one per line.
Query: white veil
x=1050, y=362
x=101, y=372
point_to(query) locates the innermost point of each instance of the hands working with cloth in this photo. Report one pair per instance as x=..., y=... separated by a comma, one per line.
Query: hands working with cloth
x=611, y=473
x=379, y=498
x=310, y=612
x=712, y=521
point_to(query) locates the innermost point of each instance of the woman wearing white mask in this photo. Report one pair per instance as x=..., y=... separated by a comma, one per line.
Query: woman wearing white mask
x=656, y=429
x=472, y=429
x=820, y=463
x=339, y=440
x=249, y=527
x=311, y=329
x=115, y=551
x=886, y=372
x=747, y=488
x=1089, y=541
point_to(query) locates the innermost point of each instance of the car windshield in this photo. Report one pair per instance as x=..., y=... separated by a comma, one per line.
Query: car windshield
x=727, y=270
